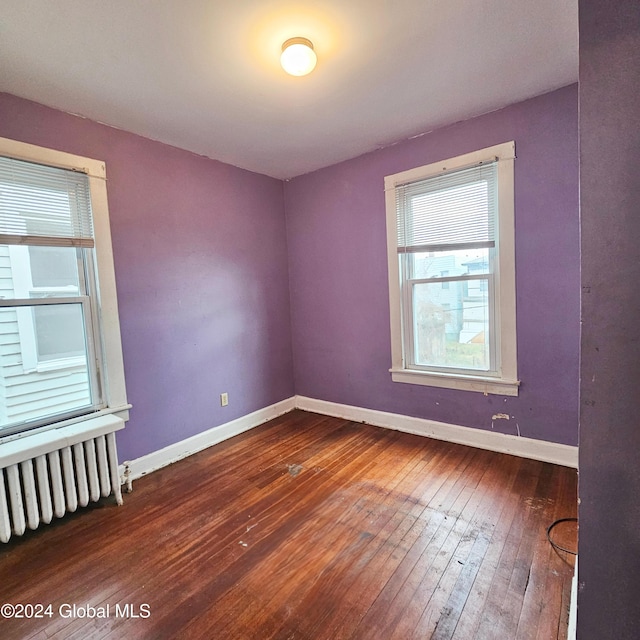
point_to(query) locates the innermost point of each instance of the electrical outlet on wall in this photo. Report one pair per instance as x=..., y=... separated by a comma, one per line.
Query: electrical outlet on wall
x=224, y=399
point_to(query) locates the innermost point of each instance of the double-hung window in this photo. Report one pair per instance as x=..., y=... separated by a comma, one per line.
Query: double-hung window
x=450, y=239
x=60, y=352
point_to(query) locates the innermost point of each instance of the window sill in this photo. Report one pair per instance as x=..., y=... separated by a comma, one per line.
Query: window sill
x=32, y=445
x=497, y=386
x=83, y=421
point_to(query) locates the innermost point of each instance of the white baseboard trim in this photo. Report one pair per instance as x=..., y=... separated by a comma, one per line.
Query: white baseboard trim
x=133, y=469
x=573, y=606
x=561, y=454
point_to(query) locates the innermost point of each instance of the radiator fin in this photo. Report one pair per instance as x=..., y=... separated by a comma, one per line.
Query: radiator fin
x=30, y=497
x=15, y=500
x=69, y=480
x=81, y=474
x=44, y=490
x=5, y=523
x=56, y=483
x=92, y=470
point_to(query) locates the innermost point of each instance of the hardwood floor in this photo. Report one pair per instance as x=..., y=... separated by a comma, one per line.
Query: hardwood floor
x=309, y=527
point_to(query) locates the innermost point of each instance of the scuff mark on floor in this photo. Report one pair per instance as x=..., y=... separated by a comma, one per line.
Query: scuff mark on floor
x=294, y=469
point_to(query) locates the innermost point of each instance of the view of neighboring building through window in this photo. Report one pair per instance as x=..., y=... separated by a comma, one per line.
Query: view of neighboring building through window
x=451, y=272
x=52, y=365
x=450, y=317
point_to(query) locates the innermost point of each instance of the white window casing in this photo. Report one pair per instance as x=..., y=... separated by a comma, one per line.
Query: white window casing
x=501, y=376
x=104, y=341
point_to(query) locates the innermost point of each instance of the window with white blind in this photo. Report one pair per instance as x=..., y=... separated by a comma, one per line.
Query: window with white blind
x=450, y=239
x=60, y=352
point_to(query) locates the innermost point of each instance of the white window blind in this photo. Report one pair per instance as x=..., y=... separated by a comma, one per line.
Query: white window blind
x=453, y=210
x=44, y=205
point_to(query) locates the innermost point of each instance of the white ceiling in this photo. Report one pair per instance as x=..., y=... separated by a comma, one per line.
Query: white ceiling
x=204, y=75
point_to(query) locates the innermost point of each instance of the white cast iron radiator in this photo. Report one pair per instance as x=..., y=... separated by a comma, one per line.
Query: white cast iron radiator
x=51, y=473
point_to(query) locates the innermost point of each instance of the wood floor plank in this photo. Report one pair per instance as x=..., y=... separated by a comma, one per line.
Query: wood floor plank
x=339, y=619
x=520, y=484
x=333, y=542
x=417, y=523
x=279, y=518
x=453, y=509
x=523, y=545
x=552, y=604
x=435, y=584
x=479, y=533
x=310, y=527
x=535, y=588
x=359, y=525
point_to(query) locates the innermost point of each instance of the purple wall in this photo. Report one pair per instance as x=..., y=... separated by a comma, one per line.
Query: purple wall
x=338, y=274
x=200, y=252
x=201, y=270
x=609, y=569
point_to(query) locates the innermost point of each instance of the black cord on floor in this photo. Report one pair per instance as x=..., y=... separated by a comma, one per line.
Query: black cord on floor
x=555, y=545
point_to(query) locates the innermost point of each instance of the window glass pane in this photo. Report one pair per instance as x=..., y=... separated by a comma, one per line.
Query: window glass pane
x=59, y=331
x=54, y=267
x=39, y=272
x=451, y=326
x=443, y=264
x=60, y=383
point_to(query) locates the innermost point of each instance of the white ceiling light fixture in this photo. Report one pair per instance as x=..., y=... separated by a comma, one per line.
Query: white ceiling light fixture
x=298, y=57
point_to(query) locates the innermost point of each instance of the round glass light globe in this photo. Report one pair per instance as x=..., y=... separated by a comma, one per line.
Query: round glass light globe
x=298, y=57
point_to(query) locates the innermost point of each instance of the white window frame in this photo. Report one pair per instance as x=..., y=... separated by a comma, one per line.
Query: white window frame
x=505, y=379
x=23, y=288
x=108, y=339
